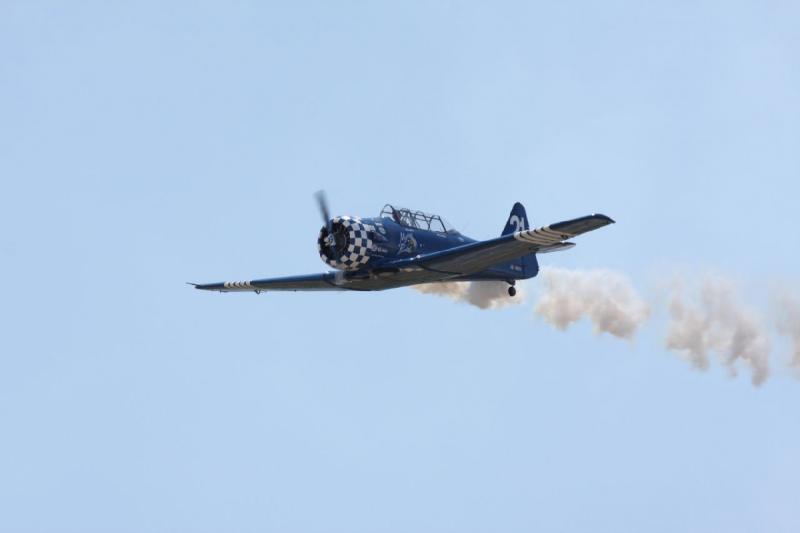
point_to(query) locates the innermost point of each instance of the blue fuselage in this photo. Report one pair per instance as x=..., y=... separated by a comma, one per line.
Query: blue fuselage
x=392, y=241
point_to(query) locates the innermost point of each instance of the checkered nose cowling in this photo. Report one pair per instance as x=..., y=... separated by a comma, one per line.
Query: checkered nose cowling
x=353, y=243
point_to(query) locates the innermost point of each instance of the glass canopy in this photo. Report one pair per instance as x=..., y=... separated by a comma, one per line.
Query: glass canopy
x=416, y=219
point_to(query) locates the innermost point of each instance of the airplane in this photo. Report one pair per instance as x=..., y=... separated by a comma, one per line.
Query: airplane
x=403, y=247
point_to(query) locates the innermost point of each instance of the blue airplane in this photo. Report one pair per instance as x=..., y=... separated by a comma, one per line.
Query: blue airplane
x=402, y=247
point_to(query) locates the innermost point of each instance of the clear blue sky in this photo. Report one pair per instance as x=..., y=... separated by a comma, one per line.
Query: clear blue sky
x=145, y=146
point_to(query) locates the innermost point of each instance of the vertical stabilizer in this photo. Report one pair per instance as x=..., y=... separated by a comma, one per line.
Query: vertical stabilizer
x=517, y=220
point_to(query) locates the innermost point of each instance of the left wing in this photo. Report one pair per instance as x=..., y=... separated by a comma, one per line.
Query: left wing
x=478, y=256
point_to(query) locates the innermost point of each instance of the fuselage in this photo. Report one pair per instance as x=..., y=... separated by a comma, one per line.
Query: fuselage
x=372, y=244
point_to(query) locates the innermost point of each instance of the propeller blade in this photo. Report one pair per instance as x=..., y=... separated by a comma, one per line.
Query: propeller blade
x=338, y=277
x=322, y=203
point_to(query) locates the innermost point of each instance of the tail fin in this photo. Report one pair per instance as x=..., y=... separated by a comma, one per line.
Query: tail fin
x=517, y=220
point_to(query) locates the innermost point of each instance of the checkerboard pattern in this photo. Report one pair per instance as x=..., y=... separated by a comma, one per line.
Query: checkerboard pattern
x=359, y=243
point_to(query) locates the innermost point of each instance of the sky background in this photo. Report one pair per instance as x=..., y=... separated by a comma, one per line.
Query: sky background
x=146, y=145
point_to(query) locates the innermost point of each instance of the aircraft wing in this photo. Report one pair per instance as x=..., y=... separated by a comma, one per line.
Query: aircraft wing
x=478, y=256
x=311, y=282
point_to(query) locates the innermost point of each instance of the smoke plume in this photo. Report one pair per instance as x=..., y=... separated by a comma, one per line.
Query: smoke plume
x=713, y=320
x=706, y=318
x=606, y=298
x=484, y=294
x=788, y=322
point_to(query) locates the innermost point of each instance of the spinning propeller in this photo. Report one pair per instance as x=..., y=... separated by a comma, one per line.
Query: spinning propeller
x=322, y=203
x=330, y=238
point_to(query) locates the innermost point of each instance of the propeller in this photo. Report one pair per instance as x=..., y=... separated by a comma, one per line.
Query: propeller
x=338, y=277
x=322, y=203
x=330, y=239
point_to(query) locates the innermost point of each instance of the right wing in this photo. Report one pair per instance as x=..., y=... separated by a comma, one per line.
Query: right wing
x=311, y=282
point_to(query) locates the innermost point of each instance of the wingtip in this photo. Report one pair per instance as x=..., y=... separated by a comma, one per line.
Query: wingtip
x=606, y=218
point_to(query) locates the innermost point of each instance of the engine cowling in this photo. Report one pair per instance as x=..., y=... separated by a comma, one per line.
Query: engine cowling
x=351, y=244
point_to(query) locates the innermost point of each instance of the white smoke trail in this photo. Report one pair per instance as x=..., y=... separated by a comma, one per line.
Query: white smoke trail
x=687, y=331
x=706, y=318
x=455, y=290
x=714, y=320
x=788, y=322
x=483, y=294
x=606, y=298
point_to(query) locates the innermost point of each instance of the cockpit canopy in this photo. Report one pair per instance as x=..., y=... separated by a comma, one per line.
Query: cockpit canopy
x=416, y=219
